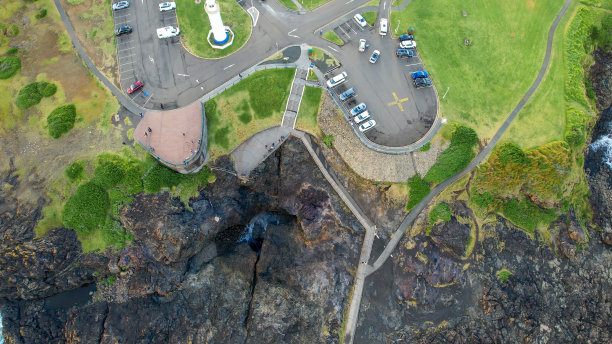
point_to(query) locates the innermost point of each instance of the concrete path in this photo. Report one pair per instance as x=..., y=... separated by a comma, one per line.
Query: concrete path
x=351, y=325
x=254, y=150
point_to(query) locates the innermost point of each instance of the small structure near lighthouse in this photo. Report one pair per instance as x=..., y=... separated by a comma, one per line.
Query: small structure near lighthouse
x=219, y=36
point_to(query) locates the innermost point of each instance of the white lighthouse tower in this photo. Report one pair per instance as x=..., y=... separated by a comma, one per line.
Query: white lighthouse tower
x=220, y=33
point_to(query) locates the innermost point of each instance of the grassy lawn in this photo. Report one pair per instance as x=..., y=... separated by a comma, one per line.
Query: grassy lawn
x=256, y=103
x=310, y=4
x=309, y=111
x=372, y=3
x=488, y=77
x=370, y=17
x=333, y=37
x=289, y=4
x=195, y=25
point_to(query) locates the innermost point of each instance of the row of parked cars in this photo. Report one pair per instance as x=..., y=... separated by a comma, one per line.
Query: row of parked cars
x=163, y=32
x=359, y=113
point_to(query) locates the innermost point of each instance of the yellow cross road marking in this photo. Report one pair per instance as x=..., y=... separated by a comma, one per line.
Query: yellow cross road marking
x=398, y=102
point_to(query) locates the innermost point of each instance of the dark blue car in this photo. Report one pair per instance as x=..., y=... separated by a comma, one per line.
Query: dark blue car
x=406, y=37
x=404, y=53
x=420, y=74
x=422, y=82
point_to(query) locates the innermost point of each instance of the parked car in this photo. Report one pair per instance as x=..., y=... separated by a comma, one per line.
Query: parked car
x=360, y=21
x=375, y=56
x=337, y=80
x=406, y=37
x=123, y=30
x=407, y=44
x=419, y=74
x=121, y=5
x=134, y=87
x=383, y=27
x=347, y=94
x=362, y=45
x=362, y=117
x=167, y=6
x=367, y=125
x=168, y=31
x=358, y=109
x=422, y=82
x=404, y=53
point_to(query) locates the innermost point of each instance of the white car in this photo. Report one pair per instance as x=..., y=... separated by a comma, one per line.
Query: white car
x=383, y=27
x=167, y=6
x=362, y=45
x=367, y=125
x=168, y=31
x=337, y=80
x=362, y=117
x=407, y=44
x=121, y=5
x=360, y=21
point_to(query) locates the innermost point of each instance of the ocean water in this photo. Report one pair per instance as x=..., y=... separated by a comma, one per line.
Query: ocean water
x=603, y=145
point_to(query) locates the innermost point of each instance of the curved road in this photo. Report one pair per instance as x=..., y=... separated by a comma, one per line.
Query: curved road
x=352, y=314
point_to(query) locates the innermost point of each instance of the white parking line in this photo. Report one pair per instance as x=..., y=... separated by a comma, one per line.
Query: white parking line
x=230, y=66
x=341, y=29
x=124, y=64
x=413, y=64
x=125, y=15
x=123, y=57
x=125, y=71
x=332, y=48
x=145, y=103
x=350, y=27
x=125, y=49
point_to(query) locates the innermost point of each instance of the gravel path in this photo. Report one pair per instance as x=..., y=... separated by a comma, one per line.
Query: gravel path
x=366, y=162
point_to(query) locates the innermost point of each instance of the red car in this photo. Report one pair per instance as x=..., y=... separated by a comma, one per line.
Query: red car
x=134, y=87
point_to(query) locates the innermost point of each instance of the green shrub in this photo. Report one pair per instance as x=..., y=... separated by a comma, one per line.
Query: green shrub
x=527, y=215
x=577, y=42
x=440, y=212
x=61, y=120
x=46, y=89
x=483, y=201
x=32, y=93
x=425, y=147
x=75, y=170
x=12, y=51
x=418, y=190
x=503, y=275
x=328, y=140
x=86, y=210
x=41, y=14
x=114, y=234
x=454, y=158
x=109, y=170
x=12, y=30
x=510, y=152
x=160, y=176
x=9, y=66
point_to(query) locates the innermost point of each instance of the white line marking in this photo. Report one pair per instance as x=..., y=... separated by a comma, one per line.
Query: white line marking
x=332, y=48
x=145, y=103
x=230, y=66
x=348, y=2
x=413, y=64
x=293, y=35
x=125, y=49
x=127, y=63
x=350, y=27
x=182, y=74
x=384, y=5
x=254, y=13
x=341, y=29
x=125, y=71
x=123, y=57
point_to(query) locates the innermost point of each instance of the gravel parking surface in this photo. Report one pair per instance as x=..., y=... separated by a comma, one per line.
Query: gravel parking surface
x=366, y=162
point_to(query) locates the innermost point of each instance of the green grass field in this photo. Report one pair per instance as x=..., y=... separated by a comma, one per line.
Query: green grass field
x=289, y=4
x=333, y=37
x=309, y=111
x=255, y=103
x=370, y=17
x=310, y=4
x=490, y=75
x=194, y=24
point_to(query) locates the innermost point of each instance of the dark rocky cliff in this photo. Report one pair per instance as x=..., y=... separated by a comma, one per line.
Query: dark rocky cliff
x=197, y=276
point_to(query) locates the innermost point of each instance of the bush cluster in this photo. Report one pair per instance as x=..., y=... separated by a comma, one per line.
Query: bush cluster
x=61, y=120
x=440, y=212
x=418, y=190
x=575, y=131
x=577, y=43
x=511, y=153
x=527, y=215
x=328, y=140
x=75, y=170
x=12, y=51
x=32, y=93
x=41, y=14
x=9, y=66
x=86, y=210
x=454, y=158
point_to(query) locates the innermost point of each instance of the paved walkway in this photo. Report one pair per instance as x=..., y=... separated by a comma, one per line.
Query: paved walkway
x=254, y=150
x=351, y=326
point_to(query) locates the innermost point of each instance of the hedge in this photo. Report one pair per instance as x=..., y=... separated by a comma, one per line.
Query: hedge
x=9, y=65
x=75, y=170
x=61, y=120
x=440, y=212
x=32, y=93
x=510, y=152
x=86, y=210
x=418, y=190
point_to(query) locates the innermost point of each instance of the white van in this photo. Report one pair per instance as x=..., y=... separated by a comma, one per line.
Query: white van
x=383, y=27
x=337, y=80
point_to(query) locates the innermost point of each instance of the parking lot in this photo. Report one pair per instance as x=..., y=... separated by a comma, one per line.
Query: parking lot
x=141, y=55
x=403, y=113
